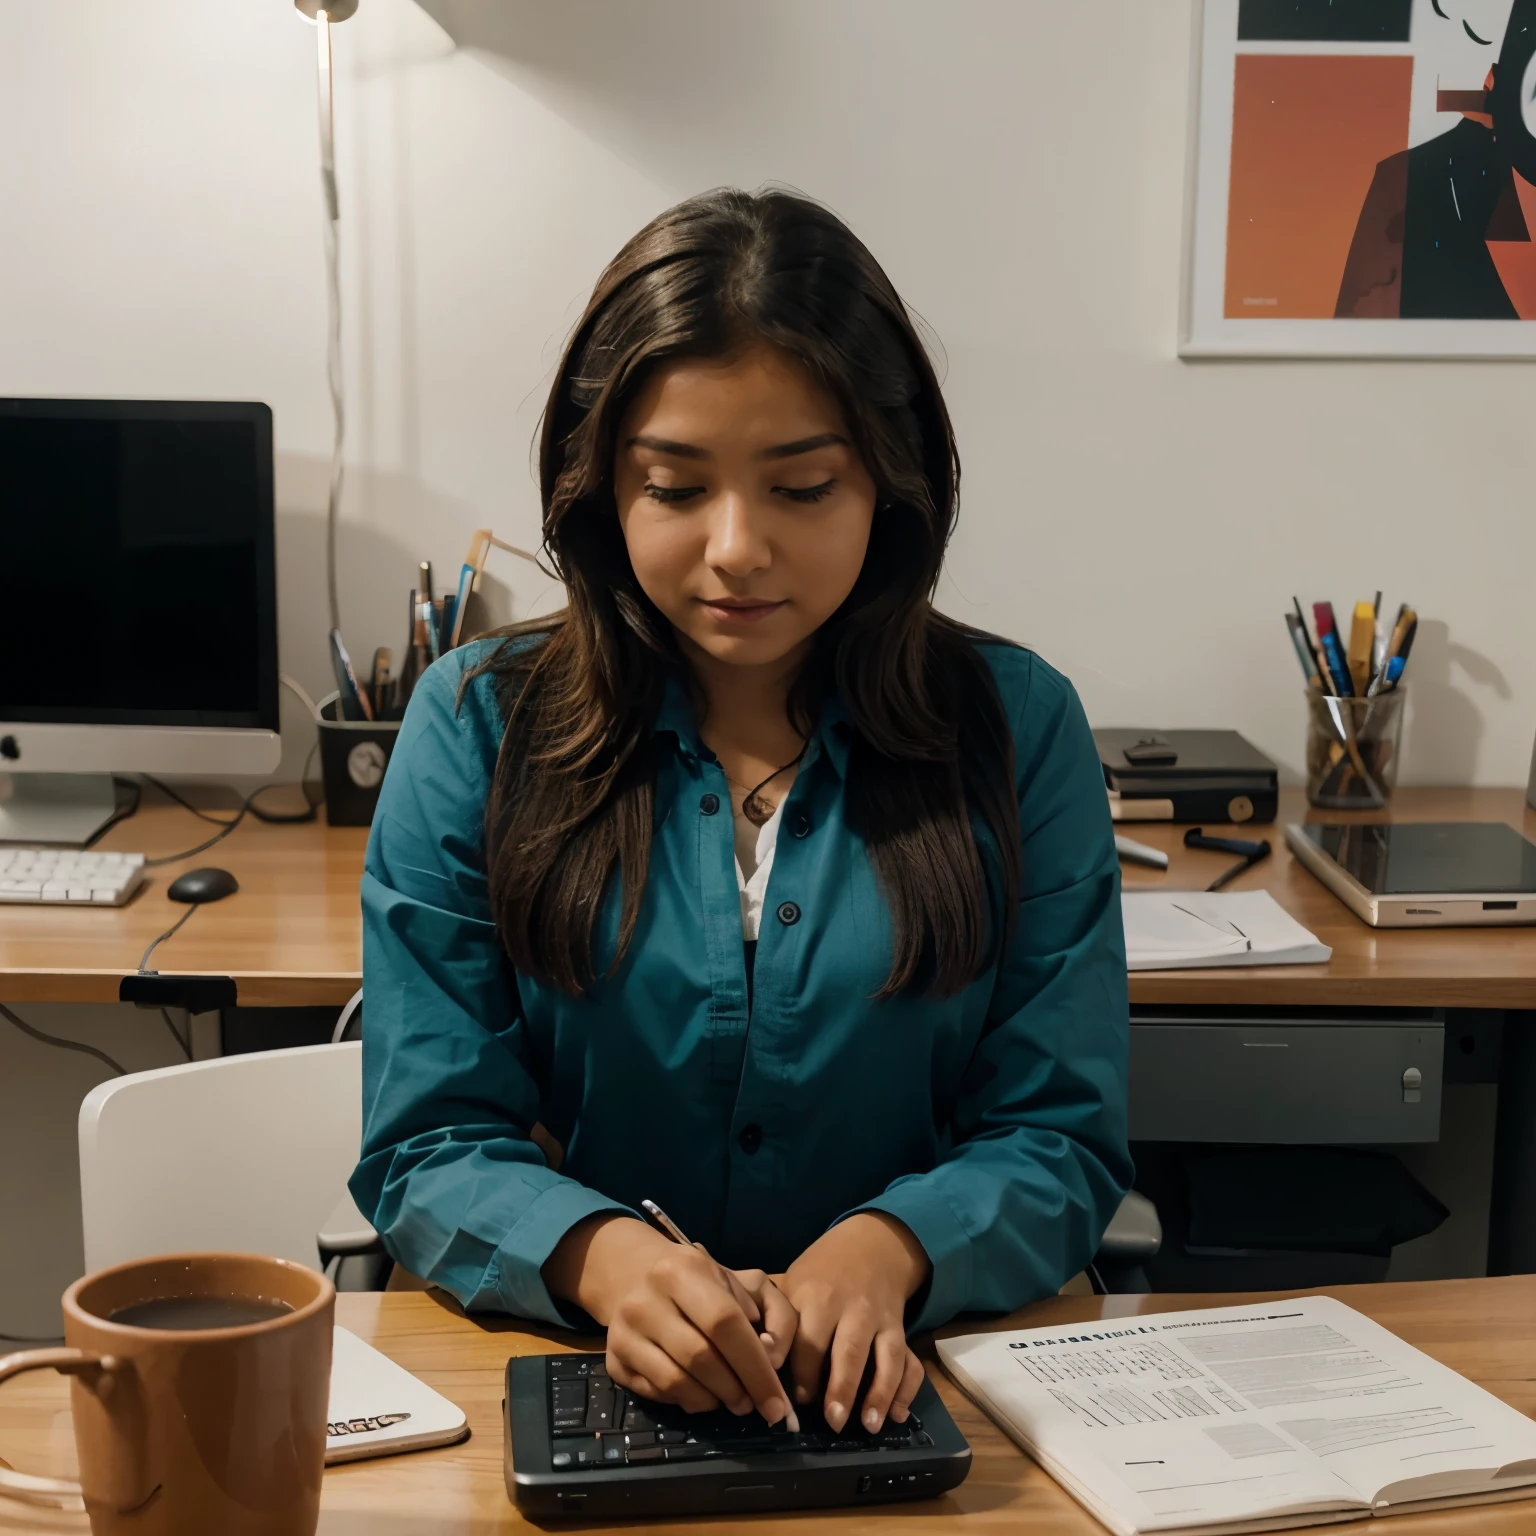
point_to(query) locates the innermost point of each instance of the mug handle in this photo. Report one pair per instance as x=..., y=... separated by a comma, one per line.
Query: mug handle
x=56, y=1491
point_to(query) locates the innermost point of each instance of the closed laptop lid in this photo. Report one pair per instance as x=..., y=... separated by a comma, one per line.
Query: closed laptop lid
x=1431, y=858
x=1129, y=752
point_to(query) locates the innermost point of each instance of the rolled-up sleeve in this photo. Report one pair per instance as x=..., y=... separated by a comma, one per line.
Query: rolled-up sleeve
x=449, y=1173
x=1039, y=1161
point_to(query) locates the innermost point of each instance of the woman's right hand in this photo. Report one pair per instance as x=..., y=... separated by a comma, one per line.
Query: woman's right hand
x=681, y=1328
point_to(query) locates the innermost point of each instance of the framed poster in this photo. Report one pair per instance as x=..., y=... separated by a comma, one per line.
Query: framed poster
x=1363, y=179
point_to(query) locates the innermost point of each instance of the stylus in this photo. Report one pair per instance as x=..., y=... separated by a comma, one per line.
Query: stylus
x=664, y=1224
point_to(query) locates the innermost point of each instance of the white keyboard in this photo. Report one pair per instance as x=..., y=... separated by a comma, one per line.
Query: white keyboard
x=69, y=876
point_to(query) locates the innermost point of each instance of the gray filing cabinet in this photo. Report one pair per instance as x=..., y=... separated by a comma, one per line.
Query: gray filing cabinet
x=1302, y=1080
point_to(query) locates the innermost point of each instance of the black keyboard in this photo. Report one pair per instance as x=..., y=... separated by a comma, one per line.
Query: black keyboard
x=579, y=1442
x=596, y=1423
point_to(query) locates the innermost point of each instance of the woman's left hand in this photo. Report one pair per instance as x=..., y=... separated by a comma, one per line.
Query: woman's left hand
x=851, y=1288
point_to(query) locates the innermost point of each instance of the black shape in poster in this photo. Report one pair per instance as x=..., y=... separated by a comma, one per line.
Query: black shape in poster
x=1324, y=21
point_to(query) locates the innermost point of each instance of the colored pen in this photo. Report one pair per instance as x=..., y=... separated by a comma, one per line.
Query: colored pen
x=1306, y=634
x=1303, y=649
x=664, y=1224
x=1362, y=637
x=1333, y=654
x=1249, y=853
x=1406, y=619
x=460, y=603
x=1403, y=650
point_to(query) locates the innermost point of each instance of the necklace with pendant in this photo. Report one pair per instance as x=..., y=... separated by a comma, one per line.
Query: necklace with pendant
x=757, y=810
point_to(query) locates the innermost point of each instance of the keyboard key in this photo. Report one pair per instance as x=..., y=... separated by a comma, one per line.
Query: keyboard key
x=601, y=1403
x=647, y=1453
x=694, y=1451
x=568, y=1401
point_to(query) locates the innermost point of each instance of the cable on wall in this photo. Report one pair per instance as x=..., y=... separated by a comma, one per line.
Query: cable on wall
x=323, y=15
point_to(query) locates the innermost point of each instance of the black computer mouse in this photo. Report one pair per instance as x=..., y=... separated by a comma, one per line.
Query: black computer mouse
x=200, y=885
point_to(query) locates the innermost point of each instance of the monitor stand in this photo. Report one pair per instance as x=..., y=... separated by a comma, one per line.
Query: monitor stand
x=67, y=808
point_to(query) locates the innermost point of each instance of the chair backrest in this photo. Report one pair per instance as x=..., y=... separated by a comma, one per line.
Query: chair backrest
x=246, y=1153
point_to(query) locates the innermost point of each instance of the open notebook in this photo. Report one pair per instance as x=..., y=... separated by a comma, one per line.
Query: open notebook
x=1252, y=1418
x=1171, y=930
x=378, y=1408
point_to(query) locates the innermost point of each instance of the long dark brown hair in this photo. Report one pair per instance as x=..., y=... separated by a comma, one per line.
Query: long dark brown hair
x=930, y=767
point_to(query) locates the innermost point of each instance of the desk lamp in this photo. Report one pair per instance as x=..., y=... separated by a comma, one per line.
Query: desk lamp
x=323, y=15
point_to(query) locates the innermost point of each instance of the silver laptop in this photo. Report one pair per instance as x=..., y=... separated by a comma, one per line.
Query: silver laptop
x=1424, y=874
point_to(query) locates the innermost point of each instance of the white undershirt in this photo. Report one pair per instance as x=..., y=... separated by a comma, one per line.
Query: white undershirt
x=754, y=863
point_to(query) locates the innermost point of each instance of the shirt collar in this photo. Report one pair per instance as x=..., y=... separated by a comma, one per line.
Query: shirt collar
x=675, y=717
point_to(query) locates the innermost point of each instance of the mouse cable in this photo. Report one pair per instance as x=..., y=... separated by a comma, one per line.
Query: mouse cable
x=174, y=928
x=226, y=825
x=248, y=806
x=63, y=1045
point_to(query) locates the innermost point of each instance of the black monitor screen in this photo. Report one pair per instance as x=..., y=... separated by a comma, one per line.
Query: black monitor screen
x=137, y=544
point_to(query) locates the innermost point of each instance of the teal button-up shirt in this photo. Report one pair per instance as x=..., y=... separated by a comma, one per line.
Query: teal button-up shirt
x=992, y=1123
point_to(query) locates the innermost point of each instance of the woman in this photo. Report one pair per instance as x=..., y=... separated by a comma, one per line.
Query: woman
x=748, y=884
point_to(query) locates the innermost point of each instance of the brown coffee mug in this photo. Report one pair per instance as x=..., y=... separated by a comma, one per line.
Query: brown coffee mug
x=190, y=1431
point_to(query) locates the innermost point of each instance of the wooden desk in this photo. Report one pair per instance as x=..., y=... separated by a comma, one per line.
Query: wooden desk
x=1421, y=967
x=1484, y=1328
x=291, y=936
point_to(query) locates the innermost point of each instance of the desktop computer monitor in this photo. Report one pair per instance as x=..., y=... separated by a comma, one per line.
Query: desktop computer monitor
x=140, y=630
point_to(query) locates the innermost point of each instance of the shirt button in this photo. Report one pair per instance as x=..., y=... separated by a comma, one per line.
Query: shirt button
x=751, y=1138
x=709, y=804
x=789, y=913
x=800, y=826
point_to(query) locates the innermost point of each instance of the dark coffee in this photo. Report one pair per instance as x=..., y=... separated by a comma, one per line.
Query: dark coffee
x=185, y=1312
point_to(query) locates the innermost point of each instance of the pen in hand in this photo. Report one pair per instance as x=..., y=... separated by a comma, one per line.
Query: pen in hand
x=664, y=1224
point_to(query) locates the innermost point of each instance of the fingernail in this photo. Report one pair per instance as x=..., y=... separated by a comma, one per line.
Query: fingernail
x=791, y=1421
x=802, y=1394
x=775, y=1409
x=767, y=1339
x=871, y=1420
x=836, y=1415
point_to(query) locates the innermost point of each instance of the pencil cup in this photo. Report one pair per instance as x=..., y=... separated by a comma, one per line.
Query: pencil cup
x=353, y=756
x=1352, y=750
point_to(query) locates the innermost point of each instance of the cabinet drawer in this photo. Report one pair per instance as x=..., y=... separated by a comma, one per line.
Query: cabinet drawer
x=1304, y=1083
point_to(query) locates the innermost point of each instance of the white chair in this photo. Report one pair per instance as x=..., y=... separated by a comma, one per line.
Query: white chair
x=245, y=1152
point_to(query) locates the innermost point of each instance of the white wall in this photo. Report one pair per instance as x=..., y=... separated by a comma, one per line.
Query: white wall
x=1016, y=164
